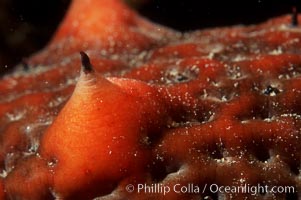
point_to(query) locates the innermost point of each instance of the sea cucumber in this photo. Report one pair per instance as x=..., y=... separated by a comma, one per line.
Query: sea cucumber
x=151, y=105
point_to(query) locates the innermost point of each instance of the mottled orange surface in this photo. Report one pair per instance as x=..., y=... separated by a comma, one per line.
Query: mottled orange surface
x=161, y=107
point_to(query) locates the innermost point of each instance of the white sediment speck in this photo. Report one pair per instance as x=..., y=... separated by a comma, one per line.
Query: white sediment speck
x=16, y=116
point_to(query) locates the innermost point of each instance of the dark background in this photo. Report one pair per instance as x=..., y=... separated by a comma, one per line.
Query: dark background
x=27, y=25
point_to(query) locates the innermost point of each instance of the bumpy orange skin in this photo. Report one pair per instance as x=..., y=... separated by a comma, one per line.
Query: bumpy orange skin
x=215, y=106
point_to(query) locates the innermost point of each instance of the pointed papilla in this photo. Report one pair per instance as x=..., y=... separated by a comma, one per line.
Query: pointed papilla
x=86, y=64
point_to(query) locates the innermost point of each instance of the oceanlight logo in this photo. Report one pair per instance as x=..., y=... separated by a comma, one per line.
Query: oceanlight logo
x=160, y=188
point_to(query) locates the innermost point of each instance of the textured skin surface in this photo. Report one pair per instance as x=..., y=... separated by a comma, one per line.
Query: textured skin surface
x=213, y=106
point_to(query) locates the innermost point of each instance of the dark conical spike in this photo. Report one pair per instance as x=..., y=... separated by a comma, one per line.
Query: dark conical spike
x=86, y=64
x=295, y=16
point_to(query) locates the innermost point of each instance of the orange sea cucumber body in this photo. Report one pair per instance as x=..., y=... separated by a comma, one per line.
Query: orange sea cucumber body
x=216, y=106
